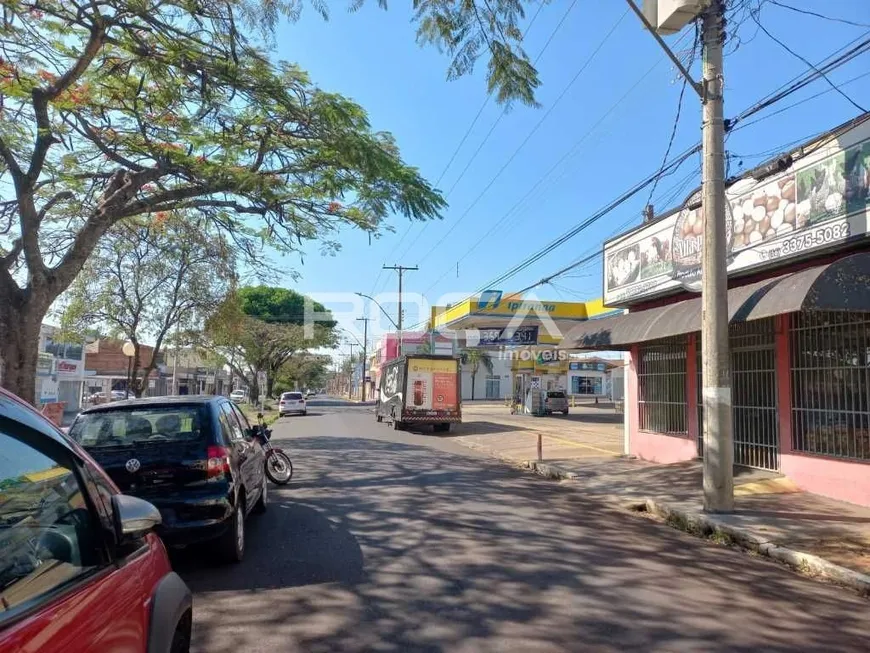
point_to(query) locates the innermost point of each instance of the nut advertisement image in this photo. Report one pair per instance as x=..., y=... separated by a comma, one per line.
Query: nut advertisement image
x=821, y=201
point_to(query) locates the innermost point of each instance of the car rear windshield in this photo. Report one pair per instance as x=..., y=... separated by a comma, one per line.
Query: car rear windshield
x=556, y=395
x=292, y=395
x=125, y=426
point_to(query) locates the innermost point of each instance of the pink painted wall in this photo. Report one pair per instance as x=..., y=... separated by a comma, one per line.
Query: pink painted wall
x=837, y=479
x=695, y=429
x=664, y=449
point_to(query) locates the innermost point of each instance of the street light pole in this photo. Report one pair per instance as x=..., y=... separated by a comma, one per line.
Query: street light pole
x=715, y=354
x=365, y=342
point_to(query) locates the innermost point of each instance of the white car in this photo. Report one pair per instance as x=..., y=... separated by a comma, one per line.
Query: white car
x=292, y=402
x=238, y=396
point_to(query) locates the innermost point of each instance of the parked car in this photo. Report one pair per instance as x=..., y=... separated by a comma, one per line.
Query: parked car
x=556, y=402
x=73, y=550
x=239, y=396
x=193, y=457
x=292, y=402
x=310, y=393
x=118, y=395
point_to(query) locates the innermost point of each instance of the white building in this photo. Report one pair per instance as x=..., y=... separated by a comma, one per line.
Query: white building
x=488, y=385
x=65, y=382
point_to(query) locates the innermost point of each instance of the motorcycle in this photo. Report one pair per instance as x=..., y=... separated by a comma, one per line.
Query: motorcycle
x=279, y=468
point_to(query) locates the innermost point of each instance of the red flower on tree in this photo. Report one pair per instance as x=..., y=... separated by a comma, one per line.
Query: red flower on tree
x=46, y=75
x=334, y=207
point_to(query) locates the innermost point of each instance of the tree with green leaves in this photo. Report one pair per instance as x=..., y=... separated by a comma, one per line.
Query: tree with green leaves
x=473, y=358
x=260, y=328
x=115, y=109
x=148, y=279
x=305, y=370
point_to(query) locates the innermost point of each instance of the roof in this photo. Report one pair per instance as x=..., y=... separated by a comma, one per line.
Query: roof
x=174, y=400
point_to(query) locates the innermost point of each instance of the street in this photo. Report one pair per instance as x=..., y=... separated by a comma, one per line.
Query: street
x=397, y=541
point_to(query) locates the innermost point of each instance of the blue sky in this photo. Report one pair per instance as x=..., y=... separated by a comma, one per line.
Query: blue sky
x=372, y=57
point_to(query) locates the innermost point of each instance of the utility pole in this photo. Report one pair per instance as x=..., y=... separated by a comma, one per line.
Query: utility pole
x=350, y=374
x=401, y=269
x=365, y=342
x=715, y=353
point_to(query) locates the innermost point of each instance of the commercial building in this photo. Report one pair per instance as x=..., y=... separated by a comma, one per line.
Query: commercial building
x=799, y=306
x=61, y=371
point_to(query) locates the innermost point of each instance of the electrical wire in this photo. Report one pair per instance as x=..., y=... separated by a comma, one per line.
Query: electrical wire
x=491, y=129
x=526, y=139
x=804, y=79
x=817, y=15
x=755, y=17
x=679, y=110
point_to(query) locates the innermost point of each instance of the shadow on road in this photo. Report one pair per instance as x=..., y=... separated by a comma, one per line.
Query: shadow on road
x=395, y=547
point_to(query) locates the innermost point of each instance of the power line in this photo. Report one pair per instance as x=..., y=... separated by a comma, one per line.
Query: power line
x=679, y=109
x=491, y=129
x=813, y=13
x=526, y=139
x=795, y=54
x=804, y=79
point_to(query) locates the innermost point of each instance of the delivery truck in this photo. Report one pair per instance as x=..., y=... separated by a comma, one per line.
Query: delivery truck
x=420, y=389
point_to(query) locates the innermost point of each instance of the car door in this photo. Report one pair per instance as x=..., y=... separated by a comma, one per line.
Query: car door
x=58, y=572
x=243, y=452
x=257, y=457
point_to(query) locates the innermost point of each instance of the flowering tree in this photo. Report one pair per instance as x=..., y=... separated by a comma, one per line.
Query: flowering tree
x=112, y=109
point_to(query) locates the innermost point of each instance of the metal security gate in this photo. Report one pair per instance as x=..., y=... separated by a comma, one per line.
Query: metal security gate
x=753, y=395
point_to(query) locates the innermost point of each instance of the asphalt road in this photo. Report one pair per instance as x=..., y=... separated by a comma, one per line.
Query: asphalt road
x=390, y=541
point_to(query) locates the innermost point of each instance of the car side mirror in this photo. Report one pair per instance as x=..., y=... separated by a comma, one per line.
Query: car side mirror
x=133, y=517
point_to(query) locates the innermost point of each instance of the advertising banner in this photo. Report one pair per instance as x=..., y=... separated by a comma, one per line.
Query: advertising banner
x=67, y=367
x=431, y=384
x=819, y=203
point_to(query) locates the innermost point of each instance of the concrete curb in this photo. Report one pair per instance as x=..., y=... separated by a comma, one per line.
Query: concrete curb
x=706, y=525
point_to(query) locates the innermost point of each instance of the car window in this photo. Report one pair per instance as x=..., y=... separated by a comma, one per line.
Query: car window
x=126, y=426
x=292, y=395
x=226, y=429
x=243, y=420
x=556, y=395
x=235, y=426
x=48, y=534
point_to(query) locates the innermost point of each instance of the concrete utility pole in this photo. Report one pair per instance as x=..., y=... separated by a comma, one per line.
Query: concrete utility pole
x=365, y=342
x=401, y=269
x=715, y=351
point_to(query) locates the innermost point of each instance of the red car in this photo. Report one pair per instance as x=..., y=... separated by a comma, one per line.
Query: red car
x=80, y=568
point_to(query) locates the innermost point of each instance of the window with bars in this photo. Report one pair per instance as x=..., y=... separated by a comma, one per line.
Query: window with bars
x=830, y=383
x=661, y=382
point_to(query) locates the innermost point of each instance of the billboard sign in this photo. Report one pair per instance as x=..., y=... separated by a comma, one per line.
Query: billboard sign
x=818, y=203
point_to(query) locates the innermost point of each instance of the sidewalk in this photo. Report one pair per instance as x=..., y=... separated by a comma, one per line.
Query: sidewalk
x=772, y=515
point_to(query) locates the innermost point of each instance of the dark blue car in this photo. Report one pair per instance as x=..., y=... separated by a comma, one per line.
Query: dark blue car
x=193, y=457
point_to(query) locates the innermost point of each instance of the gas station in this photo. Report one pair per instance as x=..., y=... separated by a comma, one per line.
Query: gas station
x=524, y=330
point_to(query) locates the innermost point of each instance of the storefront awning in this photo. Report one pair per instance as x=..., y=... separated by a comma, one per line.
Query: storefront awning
x=843, y=285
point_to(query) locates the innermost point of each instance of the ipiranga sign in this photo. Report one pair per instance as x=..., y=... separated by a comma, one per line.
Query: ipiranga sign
x=817, y=204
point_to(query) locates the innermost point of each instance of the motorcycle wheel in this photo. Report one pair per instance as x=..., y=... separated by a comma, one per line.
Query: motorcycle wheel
x=279, y=469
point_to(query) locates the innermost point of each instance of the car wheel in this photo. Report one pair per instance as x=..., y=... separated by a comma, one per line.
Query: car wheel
x=304, y=413
x=181, y=638
x=263, y=502
x=232, y=543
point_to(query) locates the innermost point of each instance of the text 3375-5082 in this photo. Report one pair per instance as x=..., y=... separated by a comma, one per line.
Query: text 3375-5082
x=816, y=238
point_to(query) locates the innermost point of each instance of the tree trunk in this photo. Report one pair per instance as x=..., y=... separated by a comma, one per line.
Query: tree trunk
x=19, y=348
x=473, y=375
x=270, y=384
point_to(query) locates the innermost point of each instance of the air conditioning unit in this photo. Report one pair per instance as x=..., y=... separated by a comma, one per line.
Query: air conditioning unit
x=670, y=16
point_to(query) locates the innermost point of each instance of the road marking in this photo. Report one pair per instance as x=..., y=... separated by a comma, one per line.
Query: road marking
x=579, y=444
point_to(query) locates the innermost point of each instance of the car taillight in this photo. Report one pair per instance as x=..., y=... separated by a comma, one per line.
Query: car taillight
x=218, y=461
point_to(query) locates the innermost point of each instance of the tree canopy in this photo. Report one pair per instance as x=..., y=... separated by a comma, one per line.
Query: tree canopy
x=113, y=109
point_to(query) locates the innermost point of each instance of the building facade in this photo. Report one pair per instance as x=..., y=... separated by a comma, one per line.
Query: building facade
x=799, y=310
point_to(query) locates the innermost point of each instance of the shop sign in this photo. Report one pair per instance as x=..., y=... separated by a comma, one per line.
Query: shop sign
x=47, y=390
x=69, y=367
x=521, y=335
x=45, y=364
x=598, y=367
x=817, y=204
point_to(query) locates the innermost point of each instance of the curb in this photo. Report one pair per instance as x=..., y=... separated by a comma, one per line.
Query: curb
x=705, y=525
